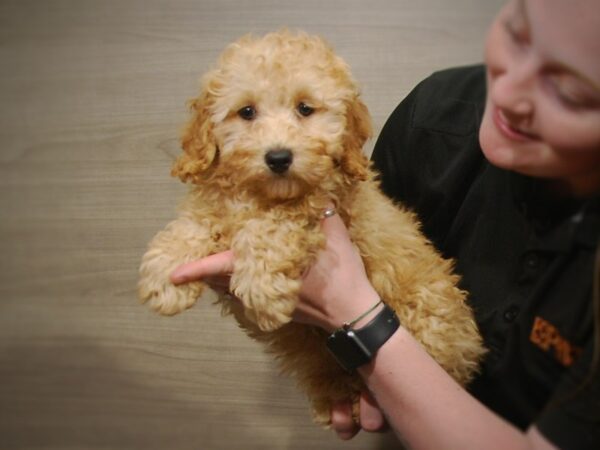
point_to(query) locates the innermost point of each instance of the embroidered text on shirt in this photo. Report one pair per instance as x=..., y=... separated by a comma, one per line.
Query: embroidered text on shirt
x=546, y=336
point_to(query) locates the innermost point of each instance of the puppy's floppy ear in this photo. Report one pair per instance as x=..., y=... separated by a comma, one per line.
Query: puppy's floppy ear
x=358, y=129
x=198, y=142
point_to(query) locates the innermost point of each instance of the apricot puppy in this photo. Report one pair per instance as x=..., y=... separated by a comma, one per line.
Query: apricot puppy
x=276, y=135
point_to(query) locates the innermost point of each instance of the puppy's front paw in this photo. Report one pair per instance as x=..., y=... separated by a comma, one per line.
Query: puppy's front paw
x=166, y=298
x=269, y=301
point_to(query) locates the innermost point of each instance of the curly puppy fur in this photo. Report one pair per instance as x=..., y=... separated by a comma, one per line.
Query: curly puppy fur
x=288, y=92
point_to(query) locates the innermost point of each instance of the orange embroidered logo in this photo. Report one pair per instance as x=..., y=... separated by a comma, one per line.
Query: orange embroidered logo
x=546, y=336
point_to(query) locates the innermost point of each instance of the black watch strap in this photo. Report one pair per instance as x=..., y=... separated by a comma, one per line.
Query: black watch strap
x=353, y=348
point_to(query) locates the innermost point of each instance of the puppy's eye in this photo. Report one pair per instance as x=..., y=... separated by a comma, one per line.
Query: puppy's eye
x=305, y=110
x=247, y=113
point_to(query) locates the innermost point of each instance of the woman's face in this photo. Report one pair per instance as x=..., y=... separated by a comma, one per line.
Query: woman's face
x=542, y=115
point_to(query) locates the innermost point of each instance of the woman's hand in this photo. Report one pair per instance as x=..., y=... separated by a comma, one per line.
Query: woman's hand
x=334, y=290
x=371, y=417
x=215, y=270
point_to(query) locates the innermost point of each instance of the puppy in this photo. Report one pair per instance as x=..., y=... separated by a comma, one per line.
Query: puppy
x=276, y=135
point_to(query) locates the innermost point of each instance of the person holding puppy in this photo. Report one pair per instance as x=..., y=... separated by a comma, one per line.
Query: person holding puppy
x=502, y=165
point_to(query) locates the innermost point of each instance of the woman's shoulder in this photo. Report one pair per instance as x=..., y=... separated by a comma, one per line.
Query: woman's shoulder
x=428, y=151
x=458, y=78
x=446, y=105
x=449, y=101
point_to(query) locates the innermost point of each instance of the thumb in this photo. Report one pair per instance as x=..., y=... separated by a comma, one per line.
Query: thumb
x=333, y=226
x=210, y=266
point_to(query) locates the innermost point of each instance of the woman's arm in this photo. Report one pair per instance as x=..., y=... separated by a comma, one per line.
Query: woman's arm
x=427, y=409
x=424, y=406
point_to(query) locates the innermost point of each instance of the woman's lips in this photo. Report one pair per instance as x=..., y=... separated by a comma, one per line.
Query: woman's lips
x=509, y=131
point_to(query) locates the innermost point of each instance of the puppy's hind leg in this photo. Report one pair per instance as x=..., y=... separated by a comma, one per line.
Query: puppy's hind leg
x=182, y=240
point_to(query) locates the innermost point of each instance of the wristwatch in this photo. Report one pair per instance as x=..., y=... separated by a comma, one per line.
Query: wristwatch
x=354, y=348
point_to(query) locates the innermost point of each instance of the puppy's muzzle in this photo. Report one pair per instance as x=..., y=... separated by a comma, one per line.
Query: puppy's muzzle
x=279, y=160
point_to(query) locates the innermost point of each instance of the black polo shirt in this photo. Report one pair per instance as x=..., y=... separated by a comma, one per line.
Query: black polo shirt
x=526, y=257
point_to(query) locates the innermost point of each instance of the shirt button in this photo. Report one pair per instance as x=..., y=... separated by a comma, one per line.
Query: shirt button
x=511, y=313
x=531, y=261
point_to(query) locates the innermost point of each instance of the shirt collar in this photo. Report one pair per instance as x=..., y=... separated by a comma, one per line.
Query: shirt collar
x=558, y=221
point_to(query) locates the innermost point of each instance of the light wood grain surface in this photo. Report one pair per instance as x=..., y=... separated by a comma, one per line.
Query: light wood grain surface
x=92, y=99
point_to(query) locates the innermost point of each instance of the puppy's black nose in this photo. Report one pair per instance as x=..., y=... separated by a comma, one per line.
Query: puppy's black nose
x=279, y=160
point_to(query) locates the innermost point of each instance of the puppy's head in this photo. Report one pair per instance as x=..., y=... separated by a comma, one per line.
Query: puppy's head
x=279, y=116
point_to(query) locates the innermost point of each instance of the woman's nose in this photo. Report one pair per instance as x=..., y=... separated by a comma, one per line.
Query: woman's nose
x=513, y=89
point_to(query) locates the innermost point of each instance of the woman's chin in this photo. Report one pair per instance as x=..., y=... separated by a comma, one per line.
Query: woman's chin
x=496, y=152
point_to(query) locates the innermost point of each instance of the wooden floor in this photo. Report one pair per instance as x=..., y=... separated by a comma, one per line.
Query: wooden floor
x=92, y=97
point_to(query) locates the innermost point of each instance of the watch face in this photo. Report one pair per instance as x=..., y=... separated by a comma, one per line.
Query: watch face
x=347, y=348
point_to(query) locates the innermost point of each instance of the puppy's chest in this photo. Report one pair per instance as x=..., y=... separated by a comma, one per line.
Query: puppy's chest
x=230, y=220
x=272, y=227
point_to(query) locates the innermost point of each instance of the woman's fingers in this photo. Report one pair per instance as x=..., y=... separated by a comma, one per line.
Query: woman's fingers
x=342, y=422
x=332, y=224
x=371, y=417
x=211, y=266
x=220, y=265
